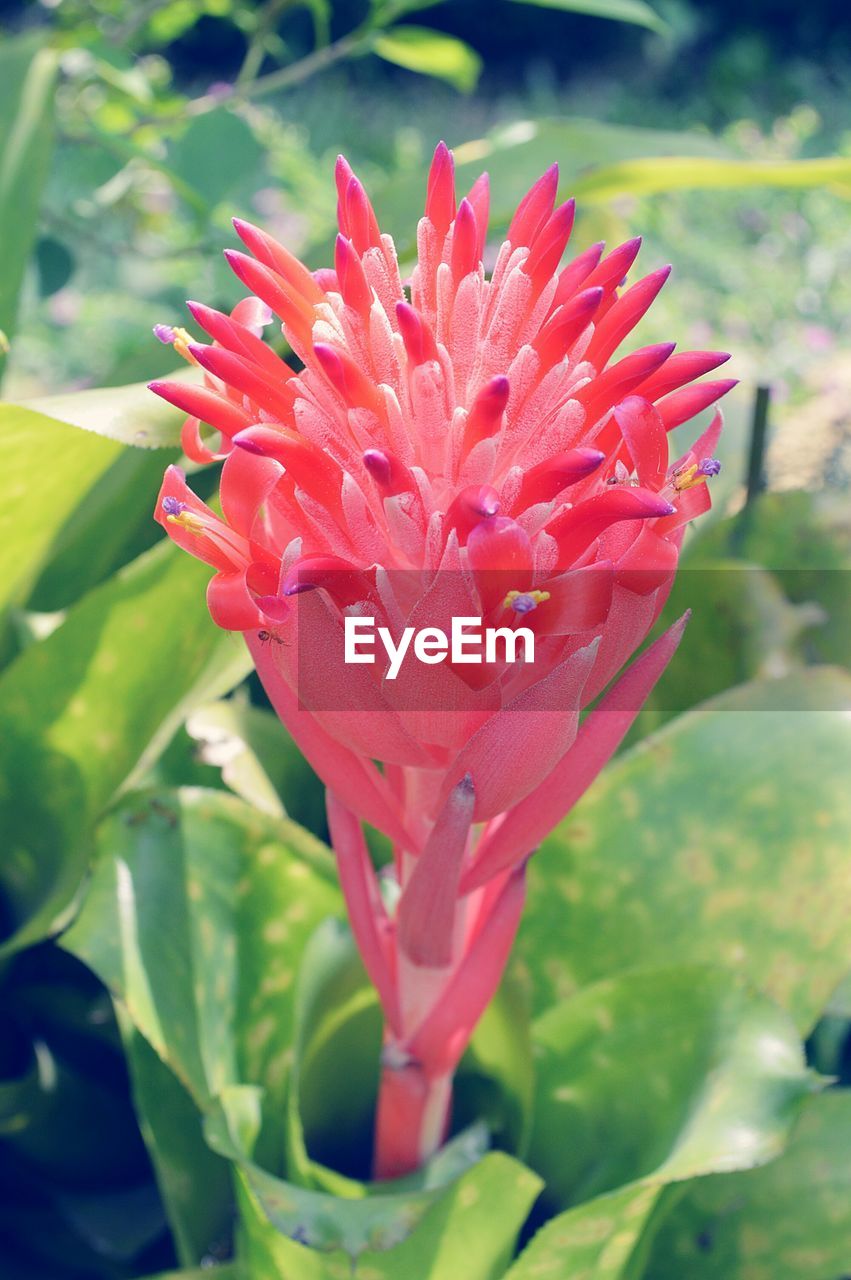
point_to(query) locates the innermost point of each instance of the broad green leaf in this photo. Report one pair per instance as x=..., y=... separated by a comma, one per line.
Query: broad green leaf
x=216, y=154
x=470, y=1231
x=422, y=1228
x=431, y=53
x=49, y=470
x=661, y=1075
x=722, y=839
x=259, y=760
x=84, y=708
x=634, y=11
x=131, y=414
x=649, y=176
x=109, y=527
x=603, y=1239
x=27, y=80
x=196, y=917
x=788, y=1221
x=194, y=1183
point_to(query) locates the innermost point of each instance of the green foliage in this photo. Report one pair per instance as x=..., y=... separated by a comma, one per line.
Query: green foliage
x=731, y=826
x=79, y=713
x=658, y=1076
x=27, y=80
x=430, y=53
x=788, y=1220
x=634, y=11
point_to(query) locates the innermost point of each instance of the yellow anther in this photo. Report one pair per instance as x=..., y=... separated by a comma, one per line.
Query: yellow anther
x=529, y=600
x=5, y=344
x=182, y=338
x=687, y=478
x=188, y=521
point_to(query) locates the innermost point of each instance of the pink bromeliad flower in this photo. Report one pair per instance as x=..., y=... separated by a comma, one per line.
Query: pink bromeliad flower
x=457, y=447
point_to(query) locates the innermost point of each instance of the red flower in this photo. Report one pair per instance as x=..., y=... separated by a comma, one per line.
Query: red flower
x=473, y=450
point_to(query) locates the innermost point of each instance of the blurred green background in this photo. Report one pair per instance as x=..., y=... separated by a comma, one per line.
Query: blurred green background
x=130, y=134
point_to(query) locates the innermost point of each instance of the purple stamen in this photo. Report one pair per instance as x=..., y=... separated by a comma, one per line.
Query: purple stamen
x=164, y=333
x=173, y=506
x=523, y=604
x=709, y=467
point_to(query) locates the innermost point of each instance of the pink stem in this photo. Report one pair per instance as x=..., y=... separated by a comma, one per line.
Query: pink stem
x=412, y=1119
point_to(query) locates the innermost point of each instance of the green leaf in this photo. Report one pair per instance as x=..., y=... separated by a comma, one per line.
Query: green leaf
x=788, y=1221
x=658, y=1076
x=649, y=176
x=110, y=526
x=131, y=414
x=196, y=916
x=27, y=80
x=634, y=11
x=81, y=710
x=722, y=839
x=259, y=760
x=216, y=154
x=434, y=1232
x=430, y=53
x=194, y=1182
x=49, y=469
x=470, y=1231
x=603, y=1239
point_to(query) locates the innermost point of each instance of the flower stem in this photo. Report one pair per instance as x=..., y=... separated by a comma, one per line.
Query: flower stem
x=412, y=1119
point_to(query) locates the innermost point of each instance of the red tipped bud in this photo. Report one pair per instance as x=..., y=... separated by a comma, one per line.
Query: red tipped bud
x=549, y=245
x=612, y=270
x=293, y=310
x=361, y=222
x=575, y=530
x=246, y=377
x=346, y=378
x=602, y=393
x=201, y=402
x=416, y=334
x=391, y=475
x=565, y=326
x=547, y=480
x=576, y=273
x=464, y=256
x=479, y=198
x=440, y=190
x=682, y=405
x=351, y=279
x=312, y=469
x=486, y=414
x=534, y=209
x=272, y=254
